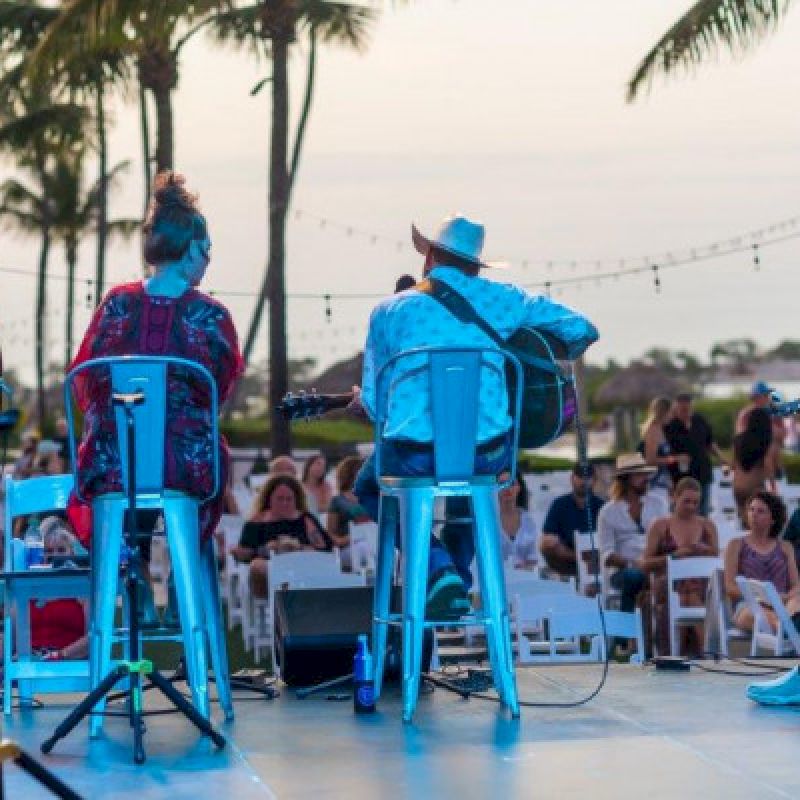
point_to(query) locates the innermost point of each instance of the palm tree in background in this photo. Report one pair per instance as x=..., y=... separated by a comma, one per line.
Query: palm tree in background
x=152, y=35
x=272, y=28
x=73, y=72
x=737, y=25
x=36, y=132
x=77, y=213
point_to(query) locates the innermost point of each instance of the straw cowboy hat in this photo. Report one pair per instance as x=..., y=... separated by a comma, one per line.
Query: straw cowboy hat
x=458, y=237
x=632, y=464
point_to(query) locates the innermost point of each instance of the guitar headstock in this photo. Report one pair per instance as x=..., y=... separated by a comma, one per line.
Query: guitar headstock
x=303, y=405
x=785, y=408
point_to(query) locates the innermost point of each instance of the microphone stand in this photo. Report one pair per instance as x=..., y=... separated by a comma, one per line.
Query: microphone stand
x=10, y=751
x=135, y=668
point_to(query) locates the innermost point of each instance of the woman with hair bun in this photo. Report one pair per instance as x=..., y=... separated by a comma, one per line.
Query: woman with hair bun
x=163, y=315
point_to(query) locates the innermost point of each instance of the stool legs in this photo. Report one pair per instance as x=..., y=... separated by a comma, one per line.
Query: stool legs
x=108, y=512
x=493, y=595
x=215, y=628
x=382, y=596
x=416, y=508
x=183, y=537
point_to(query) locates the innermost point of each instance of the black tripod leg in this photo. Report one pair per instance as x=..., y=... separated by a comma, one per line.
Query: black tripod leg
x=182, y=704
x=84, y=708
x=45, y=777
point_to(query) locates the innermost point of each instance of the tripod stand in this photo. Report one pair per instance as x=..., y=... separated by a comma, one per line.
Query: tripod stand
x=135, y=668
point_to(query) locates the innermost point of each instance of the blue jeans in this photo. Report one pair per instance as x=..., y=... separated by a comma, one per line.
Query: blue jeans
x=630, y=581
x=402, y=460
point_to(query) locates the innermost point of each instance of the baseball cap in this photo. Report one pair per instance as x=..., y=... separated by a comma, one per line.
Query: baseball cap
x=759, y=388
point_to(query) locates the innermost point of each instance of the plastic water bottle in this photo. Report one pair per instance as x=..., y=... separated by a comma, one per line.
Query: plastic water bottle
x=363, y=685
x=34, y=544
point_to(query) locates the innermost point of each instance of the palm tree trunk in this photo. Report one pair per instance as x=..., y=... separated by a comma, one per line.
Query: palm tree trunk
x=145, y=128
x=278, y=207
x=164, y=135
x=102, y=196
x=41, y=310
x=71, y=254
x=255, y=320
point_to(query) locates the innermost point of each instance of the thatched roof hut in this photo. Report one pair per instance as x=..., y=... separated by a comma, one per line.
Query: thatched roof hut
x=637, y=385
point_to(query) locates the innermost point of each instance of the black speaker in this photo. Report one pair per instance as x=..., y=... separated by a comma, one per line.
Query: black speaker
x=316, y=633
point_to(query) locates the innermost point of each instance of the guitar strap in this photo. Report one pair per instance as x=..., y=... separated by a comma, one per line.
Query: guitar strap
x=464, y=311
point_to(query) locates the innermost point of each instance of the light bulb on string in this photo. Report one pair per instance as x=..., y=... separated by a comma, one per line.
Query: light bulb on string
x=547, y=287
x=328, y=310
x=756, y=258
x=656, y=279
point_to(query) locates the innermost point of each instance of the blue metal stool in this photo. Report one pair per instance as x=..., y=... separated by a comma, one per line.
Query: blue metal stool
x=193, y=562
x=454, y=378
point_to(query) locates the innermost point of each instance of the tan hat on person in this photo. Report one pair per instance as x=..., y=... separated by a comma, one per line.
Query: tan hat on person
x=459, y=237
x=632, y=464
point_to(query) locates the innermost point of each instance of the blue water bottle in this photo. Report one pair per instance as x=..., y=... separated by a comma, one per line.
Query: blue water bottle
x=363, y=686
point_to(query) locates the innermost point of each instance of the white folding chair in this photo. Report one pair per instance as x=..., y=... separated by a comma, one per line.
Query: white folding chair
x=234, y=575
x=683, y=569
x=719, y=628
x=588, y=579
x=757, y=594
x=574, y=624
x=35, y=496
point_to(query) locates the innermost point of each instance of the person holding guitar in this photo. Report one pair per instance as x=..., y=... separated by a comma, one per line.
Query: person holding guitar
x=487, y=311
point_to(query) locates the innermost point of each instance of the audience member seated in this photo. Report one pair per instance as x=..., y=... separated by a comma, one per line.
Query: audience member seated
x=345, y=508
x=49, y=460
x=621, y=526
x=318, y=490
x=517, y=527
x=684, y=533
x=279, y=523
x=754, y=459
x=58, y=627
x=283, y=465
x=760, y=554
x=26, y=461
x=566, y=515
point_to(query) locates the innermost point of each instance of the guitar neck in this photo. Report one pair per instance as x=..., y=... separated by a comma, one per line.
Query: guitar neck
x=309, y=405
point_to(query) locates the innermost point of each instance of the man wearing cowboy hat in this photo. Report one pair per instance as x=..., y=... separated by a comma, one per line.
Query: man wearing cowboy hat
x=623, y=522
x=412, y=319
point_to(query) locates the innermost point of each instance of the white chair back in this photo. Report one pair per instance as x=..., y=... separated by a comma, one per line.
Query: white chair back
x=683, y=569
x=757, y=595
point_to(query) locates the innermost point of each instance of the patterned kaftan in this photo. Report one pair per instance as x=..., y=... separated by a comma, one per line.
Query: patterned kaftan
x=193, y=326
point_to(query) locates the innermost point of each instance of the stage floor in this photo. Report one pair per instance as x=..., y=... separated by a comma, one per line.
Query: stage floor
x=648, y=734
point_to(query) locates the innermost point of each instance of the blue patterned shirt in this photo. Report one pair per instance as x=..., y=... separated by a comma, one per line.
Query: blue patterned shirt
x=412, y=319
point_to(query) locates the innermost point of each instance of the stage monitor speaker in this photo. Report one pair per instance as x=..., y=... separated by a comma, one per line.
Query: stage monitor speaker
x=316, y=633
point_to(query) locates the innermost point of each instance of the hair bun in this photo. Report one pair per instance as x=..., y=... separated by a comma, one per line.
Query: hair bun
x=170, y=192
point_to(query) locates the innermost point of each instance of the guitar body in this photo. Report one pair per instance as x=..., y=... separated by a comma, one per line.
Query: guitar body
x=549, y=402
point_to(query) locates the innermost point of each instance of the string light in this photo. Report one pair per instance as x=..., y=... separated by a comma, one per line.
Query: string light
x=756, y=258
x=656, y=279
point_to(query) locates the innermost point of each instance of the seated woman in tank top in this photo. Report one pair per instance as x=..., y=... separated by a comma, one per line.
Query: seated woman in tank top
x=278, y=523
x=682, y=534
x=761, y=554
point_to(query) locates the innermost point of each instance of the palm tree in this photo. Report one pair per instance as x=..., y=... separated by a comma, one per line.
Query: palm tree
x=698, y=34
x=272, y=27
x=71, y=70
x=77, y=212
x=35, y=133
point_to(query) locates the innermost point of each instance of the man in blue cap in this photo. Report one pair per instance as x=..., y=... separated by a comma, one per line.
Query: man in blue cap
x=412, y=319
x=760, y=397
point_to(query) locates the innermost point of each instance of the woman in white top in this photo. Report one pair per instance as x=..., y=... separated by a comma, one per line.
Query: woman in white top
x=318, y=491
x=517, y=528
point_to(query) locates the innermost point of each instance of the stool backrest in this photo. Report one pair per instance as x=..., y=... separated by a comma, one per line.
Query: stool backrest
x=147, y=374
x=454, y=383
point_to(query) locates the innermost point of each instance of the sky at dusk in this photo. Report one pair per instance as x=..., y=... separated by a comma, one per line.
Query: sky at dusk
x=512, y=113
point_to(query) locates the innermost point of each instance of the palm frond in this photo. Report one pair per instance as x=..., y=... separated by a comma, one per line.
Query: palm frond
x=241, y=27
x=339, y=23
x=123, y=228
x=737, y=25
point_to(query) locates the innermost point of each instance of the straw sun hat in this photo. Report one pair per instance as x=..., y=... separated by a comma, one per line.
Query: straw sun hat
x=632, y=464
